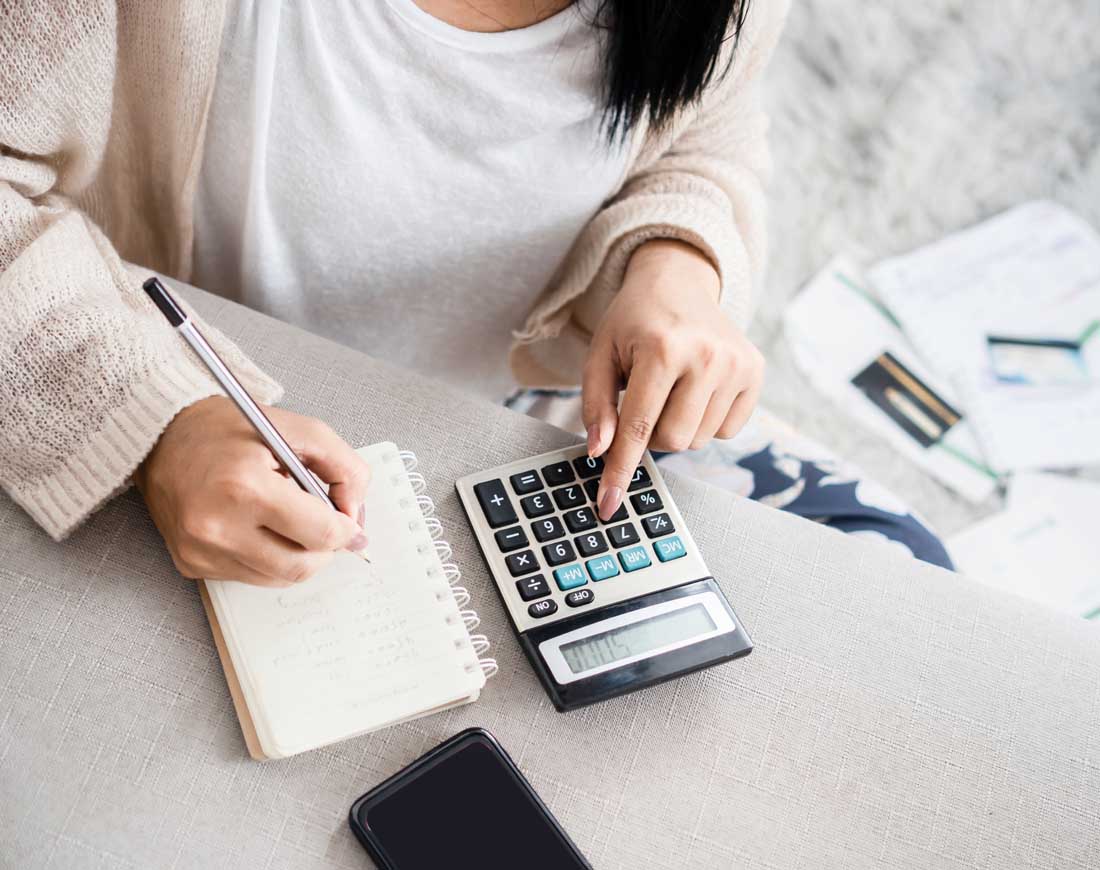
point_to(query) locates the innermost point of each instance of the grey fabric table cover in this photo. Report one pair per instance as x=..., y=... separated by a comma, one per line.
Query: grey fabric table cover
x=892, y=714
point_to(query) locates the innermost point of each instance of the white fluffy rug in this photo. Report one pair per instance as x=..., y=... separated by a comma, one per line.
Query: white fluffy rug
x=896, y=122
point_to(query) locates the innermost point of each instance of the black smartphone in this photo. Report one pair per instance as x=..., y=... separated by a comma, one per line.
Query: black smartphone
x=465, y=803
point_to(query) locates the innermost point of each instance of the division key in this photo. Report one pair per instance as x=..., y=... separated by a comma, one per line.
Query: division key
x=495, y=503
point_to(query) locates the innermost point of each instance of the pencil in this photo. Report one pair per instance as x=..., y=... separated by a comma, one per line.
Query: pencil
x=275, y=442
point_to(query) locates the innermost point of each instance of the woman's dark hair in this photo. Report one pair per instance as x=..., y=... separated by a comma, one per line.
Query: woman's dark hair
x=659, y=55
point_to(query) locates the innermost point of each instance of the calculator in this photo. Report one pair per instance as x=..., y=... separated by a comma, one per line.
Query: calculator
x=600, y=608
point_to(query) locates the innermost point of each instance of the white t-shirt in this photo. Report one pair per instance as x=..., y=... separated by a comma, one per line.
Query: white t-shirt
x=405, y=187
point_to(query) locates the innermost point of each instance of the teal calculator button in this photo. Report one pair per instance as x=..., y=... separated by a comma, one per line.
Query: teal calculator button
x=634, y=558
x=602, y=568
x=669, y=548
x=570, y=577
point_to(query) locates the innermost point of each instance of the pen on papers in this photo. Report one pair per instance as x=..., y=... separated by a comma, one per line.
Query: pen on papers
x=178, y=318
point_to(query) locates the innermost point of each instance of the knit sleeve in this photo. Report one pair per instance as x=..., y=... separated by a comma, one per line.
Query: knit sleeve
x=702, y=183
x=90, y=374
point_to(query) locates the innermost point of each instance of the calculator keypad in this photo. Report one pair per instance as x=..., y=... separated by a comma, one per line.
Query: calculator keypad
x=553, y=542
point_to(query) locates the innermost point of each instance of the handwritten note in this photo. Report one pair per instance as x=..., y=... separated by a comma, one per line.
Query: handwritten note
x=358, y=646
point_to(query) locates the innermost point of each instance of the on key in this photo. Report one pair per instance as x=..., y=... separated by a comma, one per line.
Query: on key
x=495, y=503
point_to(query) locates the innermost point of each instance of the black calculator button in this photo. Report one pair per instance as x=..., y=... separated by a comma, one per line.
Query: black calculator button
x=622, y=536
x=558, y=473
x=543, y=608
x=591, y=544
x=592, y=487
x=579, y=597
x=617, y=517
x=587, y=466
x=640, y=480
x=548, y=529
x=559, y=553
x=494, y=502
x=580, y=520
x=537, y=505
x=658, y=525
x=569, y=496
x=531, y=588
x=511, y=539
x=526, y=482
x=522, y=563
x=646, y=502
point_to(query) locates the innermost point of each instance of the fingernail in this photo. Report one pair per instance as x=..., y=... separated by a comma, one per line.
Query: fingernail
x=359, y=542
x=361, y=517
x=593, y=439
x=610, y=501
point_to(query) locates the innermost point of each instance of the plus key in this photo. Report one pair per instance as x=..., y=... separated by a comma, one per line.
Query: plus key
x=495, y=503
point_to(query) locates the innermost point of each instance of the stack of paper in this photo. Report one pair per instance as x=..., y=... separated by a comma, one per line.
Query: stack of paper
x=1032, y=273
x=1043, y=546
x=836, y=331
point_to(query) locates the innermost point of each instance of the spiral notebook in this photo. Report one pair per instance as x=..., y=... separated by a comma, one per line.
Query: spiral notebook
x=361, y=645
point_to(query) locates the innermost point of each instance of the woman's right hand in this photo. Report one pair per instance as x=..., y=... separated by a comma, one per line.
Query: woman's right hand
x=226, y=509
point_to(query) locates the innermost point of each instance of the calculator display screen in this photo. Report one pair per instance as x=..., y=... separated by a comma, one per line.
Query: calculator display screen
x=637, y=638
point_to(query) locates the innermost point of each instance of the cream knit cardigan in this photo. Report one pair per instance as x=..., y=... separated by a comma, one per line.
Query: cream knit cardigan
x=102, y=114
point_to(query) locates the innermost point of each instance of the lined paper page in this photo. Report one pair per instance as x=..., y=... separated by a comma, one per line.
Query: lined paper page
x=358, y=646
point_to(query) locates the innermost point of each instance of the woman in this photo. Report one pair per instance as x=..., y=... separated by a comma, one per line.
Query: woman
x=417, y=178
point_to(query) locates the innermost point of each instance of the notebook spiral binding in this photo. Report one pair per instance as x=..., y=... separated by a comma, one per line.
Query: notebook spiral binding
x=451, y=573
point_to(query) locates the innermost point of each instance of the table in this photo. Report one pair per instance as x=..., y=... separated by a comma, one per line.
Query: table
x=892, y=714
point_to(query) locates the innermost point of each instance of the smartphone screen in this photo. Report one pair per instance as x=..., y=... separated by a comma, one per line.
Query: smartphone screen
x=464, y=804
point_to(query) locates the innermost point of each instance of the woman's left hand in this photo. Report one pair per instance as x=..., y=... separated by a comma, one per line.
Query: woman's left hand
x=690, y=374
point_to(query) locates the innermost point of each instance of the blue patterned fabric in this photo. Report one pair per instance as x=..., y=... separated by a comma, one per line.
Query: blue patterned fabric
x=822, y=497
